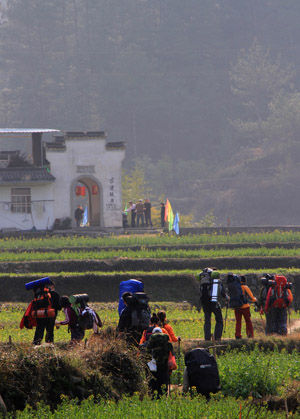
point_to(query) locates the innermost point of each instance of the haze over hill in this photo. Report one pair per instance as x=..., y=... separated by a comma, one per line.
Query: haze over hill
x=204, y=92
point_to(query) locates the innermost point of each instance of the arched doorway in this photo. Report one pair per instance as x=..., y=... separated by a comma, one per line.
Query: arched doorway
x=86, y=192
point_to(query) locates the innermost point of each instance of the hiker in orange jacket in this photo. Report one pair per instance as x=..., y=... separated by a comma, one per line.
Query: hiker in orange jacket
x=148, y=332
x=244, y=311
x=164, y=324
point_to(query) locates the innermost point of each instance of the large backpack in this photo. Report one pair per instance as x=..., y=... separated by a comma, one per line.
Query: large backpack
x=42, y=304
x=86, y=315
x=279, y=293
x=237, y=298
x=210, y=287
x=202, y=371
x=141, y=314
x=131, y=285
x=267, y=282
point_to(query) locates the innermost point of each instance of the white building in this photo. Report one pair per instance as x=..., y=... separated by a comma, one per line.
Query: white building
x=42, y=183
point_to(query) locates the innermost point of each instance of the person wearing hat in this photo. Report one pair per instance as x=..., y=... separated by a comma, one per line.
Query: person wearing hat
x=159, y=347
x=140, y=211
x=210, y=303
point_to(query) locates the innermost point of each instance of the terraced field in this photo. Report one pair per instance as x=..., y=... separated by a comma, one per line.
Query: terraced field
x=169, y=267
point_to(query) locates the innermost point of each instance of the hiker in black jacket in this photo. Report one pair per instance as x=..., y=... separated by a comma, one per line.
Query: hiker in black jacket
x=125, y=322
x=48, y=298
x=211, y=305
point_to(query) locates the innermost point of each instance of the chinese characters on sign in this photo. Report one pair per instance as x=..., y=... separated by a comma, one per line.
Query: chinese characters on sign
x=111, y=203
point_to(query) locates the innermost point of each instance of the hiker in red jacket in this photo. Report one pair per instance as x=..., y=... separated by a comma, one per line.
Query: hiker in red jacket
x=279, y=298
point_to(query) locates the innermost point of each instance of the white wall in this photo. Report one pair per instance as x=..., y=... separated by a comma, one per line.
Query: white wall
x=42, y=216
x=83, y=151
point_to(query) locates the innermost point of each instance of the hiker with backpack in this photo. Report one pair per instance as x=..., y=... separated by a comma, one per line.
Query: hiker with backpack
x=148, y=332
x=279, y=298
x=161, y=349
x=71, y=319
x=135, y=317
x=163, y=323
x=266, y=282
x=244, y=311
x=44, y=308
x=212, y=290
x=87, y=317
x=201, y=372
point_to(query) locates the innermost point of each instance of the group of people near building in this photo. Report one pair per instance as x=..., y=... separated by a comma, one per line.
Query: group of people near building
x=152, y=334
x=140, y=214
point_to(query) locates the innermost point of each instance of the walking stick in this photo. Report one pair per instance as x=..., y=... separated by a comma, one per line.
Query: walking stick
x=226, y=317
x=178, y=367
x=289, y=314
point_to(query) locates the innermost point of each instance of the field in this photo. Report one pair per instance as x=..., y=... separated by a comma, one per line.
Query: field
x=252, y=376
x=186, y=321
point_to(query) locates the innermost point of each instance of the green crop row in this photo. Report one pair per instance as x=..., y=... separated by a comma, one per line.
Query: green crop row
x=156, y=254
x=143, y=240
x=175, y=407
x=136, y=274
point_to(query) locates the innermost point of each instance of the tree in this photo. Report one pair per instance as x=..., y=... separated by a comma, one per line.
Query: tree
x=257, y=79
x=134, y=185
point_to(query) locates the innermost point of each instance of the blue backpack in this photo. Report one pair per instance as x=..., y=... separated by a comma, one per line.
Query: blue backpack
x=235, y=291
x=133, y=286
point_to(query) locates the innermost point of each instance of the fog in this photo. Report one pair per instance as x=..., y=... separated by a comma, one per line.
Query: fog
x=205, y=93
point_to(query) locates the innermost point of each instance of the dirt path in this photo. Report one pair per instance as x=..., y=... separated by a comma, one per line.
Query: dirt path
x=295, y=326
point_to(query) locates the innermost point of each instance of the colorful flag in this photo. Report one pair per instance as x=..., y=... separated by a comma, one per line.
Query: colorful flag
x=85, y=216
x=176, y=223
x=167, y=206
x=169, y=216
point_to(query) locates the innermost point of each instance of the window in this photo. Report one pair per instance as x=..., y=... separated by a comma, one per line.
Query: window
x=21, y=200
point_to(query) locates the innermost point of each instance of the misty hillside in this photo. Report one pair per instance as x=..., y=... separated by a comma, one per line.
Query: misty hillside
x=206, y=93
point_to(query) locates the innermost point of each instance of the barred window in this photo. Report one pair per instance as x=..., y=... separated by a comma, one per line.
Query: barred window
x=21, y=200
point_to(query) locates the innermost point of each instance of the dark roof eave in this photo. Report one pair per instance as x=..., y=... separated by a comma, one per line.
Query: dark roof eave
x=115, y=145
x=26, y=181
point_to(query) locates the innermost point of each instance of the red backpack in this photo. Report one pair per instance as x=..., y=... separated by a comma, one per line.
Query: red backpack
x=278, y=293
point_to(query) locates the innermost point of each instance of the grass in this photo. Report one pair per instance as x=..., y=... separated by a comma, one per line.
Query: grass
x=84, y=241
x=136, y=274
x=145, y=254
x=186, y=321
x=176, y=407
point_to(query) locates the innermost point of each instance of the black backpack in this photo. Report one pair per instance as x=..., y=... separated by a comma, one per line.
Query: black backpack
x=237, y=298
x=141, y=314
x=210, y=288
x=202, y=371
x=88, y=317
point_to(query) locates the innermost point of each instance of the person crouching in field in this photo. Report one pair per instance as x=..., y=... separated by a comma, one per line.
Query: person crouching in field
x=244, y=311
x=77, y=333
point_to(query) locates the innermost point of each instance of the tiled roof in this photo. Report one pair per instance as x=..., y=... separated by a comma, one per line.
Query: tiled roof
x=115, y=145
x=85, y=134
x=26, y=131
x=25, y=175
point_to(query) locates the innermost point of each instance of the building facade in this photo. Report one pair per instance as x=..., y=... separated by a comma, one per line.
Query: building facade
x=45, y=188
